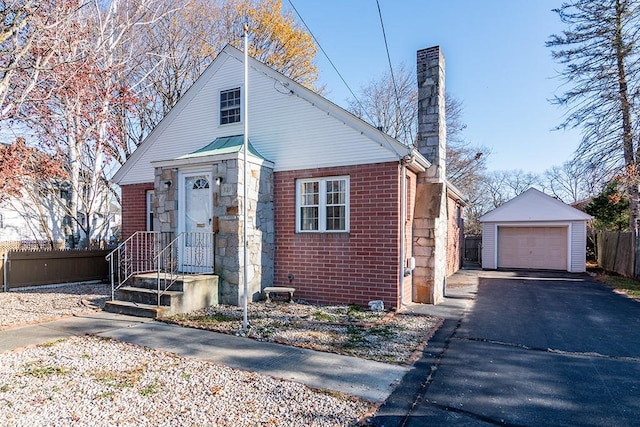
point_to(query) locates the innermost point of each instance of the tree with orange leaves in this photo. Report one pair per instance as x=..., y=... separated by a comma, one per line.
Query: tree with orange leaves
x=30, y=183
x=22, y=166
x=275, y=37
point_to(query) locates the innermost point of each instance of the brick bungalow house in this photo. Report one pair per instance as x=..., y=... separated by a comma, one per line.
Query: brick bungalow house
x=337, y=208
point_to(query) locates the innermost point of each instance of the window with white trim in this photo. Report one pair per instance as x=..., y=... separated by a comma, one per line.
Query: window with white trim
x=230, y=102
x=322, y=205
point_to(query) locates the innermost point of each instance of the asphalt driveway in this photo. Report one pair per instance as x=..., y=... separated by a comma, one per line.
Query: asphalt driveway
x=533, y=349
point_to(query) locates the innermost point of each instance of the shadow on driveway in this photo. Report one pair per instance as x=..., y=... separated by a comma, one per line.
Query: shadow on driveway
x=536, y=348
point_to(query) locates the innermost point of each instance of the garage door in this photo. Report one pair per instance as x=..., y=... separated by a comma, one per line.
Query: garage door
x=532, y=247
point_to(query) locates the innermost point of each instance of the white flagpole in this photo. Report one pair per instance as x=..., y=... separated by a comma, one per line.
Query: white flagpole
x=245, y=240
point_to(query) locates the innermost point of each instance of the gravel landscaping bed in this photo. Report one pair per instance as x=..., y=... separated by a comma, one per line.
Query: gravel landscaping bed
x=350, y=330
x=99, y=382
x=32, y=305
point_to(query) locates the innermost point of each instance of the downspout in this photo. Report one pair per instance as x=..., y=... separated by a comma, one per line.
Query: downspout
x=403, y=227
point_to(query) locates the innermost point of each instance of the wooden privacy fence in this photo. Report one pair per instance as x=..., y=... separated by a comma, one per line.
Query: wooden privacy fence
x=32, y=268
x=618, y=252
x=473, y=248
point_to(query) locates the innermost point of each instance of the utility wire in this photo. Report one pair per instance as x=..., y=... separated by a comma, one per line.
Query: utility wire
x=331, y=62
x=386, y=137
x=393, y=78
x=384, y=134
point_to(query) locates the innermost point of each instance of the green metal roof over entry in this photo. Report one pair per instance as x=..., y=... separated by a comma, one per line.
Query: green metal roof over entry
x=224, y=145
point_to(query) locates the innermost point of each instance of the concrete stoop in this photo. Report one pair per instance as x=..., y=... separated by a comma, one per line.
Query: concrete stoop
x=188, y=293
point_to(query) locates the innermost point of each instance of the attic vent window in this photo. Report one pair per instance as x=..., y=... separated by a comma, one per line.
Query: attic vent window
x=230, y=106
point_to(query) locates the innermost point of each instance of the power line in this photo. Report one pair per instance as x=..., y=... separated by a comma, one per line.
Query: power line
x=330, y=61
x=393, y=78
x=384, y=134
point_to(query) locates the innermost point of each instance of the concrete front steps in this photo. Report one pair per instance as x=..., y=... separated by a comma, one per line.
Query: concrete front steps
x=188, y=293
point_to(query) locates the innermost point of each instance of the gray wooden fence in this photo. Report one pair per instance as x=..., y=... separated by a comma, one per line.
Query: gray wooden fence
x=619, y=252
x=472, y=249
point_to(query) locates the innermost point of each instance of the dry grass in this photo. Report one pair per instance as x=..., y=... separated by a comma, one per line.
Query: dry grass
x=623, y=285
x=349, y=330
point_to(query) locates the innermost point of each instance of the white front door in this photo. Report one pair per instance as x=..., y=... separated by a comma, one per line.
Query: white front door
x=195, y=216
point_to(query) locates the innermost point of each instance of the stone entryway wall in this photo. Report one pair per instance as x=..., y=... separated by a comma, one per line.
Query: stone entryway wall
x=228, y=215
x=165, y=200
x=227, y=224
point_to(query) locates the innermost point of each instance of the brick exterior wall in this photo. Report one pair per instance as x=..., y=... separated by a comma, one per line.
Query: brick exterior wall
x=454, y=237
x=134, y=208
x=354, y=267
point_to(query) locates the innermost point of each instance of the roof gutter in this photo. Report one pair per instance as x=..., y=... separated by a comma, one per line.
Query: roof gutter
x=415, y=162
x=457, y=194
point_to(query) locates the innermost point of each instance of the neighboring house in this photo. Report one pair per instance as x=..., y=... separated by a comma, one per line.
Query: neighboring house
x=38, y=216
x=25, y=219
x=337, y=209
x=535, y=231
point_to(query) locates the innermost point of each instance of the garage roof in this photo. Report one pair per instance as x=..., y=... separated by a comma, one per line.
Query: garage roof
x=534, y=205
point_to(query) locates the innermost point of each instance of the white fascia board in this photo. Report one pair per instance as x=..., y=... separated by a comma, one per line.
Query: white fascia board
x=536, y=200
x=332, y=164
x=533, y=224
x=416, y=162
x=416, y=167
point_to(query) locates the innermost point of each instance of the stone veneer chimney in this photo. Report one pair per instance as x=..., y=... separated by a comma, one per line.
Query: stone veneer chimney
x=432, y=131
x=430, y=216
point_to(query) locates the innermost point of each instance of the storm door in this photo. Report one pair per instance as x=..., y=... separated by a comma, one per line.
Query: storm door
x=195, y=215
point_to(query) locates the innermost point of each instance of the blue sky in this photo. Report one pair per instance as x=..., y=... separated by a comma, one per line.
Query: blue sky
x=496, y=64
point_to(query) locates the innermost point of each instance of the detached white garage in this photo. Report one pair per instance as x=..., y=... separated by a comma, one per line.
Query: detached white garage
x=534, y=231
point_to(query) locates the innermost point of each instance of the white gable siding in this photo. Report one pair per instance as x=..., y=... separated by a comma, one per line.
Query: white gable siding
x=533, y=205
x=578, y=245
x=489, y=240
x=284, y=128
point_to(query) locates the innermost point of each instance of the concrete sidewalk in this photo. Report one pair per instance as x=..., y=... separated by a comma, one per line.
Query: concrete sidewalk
x=367, y=379
x=93, y=323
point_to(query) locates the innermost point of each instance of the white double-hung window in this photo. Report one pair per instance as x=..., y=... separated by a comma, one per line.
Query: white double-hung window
x=322, y=204
x=230, y=103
